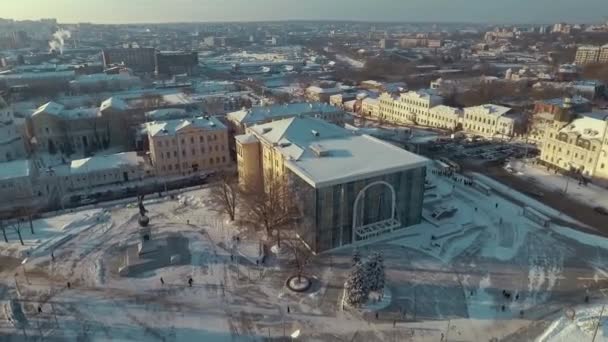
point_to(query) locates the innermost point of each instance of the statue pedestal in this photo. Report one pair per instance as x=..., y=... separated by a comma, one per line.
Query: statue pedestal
x=145, y=247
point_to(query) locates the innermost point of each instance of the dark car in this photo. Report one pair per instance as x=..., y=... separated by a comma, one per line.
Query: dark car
x=601, y=210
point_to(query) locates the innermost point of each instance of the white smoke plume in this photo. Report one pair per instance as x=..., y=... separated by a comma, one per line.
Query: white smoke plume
x=58, y=41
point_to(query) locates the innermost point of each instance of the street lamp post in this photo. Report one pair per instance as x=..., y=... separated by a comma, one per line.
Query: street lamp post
x=25, y=271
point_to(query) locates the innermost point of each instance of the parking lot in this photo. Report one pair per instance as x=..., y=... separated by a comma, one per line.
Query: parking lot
x=478, y=150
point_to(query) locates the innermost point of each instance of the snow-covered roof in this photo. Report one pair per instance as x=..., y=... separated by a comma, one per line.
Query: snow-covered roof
x=560, y=101
x=422, y=94
x=324, y=154
x=319, y=90
x=114, y=102
x=94, y=78
x=166, y=113
x=588, y=125
x=52, y=108
x=489, y=109
x=446, y=110
x=15, y=169
x=172, y=127
x=260, y=114
x=107, y=162
x=246, y=138
x=56, y=109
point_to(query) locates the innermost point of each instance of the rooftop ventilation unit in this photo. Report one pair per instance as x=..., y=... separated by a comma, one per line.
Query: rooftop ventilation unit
x=266, y=130
x=284, y=144
x=315, y=133
x=319, y=150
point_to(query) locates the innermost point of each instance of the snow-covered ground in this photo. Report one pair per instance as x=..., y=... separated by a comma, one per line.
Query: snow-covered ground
x=448, y=278
x=552, y=181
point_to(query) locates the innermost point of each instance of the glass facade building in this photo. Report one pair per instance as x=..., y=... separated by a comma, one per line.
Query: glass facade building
x=328, y=213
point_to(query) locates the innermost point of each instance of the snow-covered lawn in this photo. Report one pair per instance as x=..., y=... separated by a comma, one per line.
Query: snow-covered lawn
x=451, y=276
x=537, y=174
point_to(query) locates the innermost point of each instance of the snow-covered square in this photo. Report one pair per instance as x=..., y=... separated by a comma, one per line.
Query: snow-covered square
x=487, y=270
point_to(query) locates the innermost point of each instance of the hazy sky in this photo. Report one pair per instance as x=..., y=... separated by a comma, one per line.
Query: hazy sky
x=122, y=11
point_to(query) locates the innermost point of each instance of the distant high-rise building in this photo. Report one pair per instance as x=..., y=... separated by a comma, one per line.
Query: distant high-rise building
x=138, y=59
x=176, y=62
x=591, y=54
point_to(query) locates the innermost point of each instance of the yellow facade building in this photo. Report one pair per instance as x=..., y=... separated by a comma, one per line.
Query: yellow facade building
x=579, y=145
x=181, y=147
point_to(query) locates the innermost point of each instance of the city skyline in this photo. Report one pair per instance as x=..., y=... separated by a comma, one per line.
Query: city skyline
x=161, y=11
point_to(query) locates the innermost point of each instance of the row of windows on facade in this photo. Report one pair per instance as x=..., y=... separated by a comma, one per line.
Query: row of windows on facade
x=167, y=155
x=576, y=155
x=100, y=177
x=201, y=138
x=563, y=137
x=481, y=120
x=582, y=168
x=212, y=161
x=482, y=129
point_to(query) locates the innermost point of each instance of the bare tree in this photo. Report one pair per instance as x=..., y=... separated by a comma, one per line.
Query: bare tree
x=3, y=227
x=17, y=225
x=301, y=254
x=225, y=194
x=272, y=208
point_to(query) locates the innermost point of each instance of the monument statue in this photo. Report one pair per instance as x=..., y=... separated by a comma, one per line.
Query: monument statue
x=143, y=219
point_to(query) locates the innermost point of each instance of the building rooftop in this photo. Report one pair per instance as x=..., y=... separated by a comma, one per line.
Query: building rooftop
x=262, y=114
x=575, y=100
x=114, y=102
x=172, y=127
x=56, y=109
x=15, y=169
x=107, y=162
x=588, y=125
x=246, y=139
x=166, y=113
x=323, y=154
x=489, y=109
x=443, y=109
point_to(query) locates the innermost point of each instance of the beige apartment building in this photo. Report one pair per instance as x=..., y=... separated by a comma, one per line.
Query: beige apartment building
x=444, y=117
x=591, y=54
x=370, y=107
x=489, y=120
x=182, y=147
x=579, y=145
x=409, y=107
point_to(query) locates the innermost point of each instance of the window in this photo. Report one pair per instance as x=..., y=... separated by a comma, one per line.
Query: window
x=177, y=166
x=223, y=159
x=183, y=141
x=201, y=139
x=168, y=155
x=192, y=140
x=202, y=150
x=210, y=161
x=193, y=152
x=175, y=154
x=183, y=153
